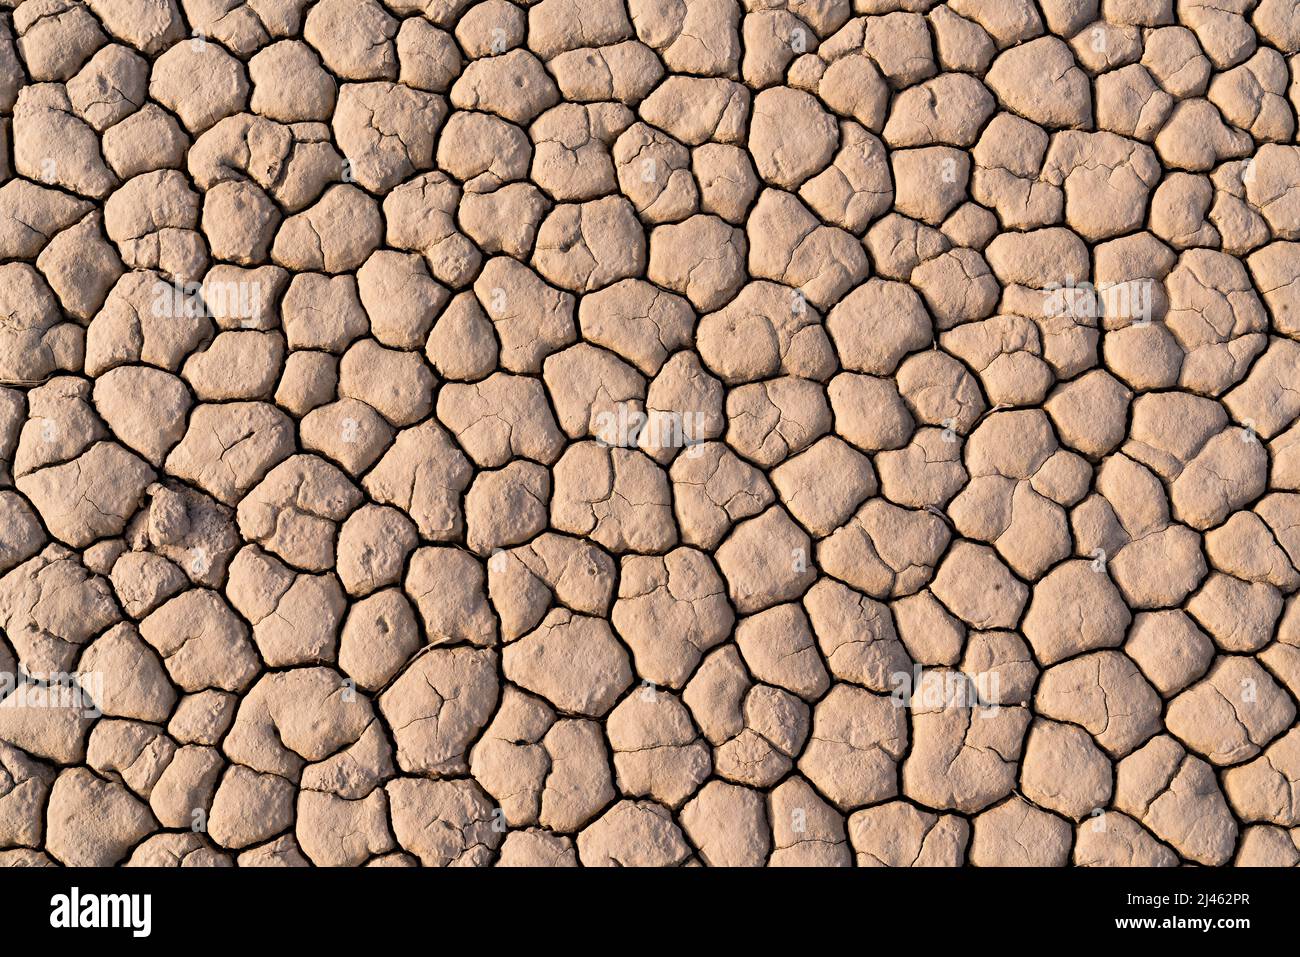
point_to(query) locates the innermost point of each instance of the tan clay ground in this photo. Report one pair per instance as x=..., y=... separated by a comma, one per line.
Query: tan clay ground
x=648, y=433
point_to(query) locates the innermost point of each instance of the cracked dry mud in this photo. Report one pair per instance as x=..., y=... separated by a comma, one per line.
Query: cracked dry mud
x=790, y=432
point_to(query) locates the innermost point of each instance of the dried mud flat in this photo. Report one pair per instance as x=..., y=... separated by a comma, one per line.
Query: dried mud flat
x=672, y=432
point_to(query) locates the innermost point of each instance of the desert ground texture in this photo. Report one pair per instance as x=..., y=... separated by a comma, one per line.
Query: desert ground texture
x=662, y=432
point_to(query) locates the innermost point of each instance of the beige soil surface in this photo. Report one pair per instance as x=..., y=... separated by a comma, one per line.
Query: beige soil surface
x=662, y=432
